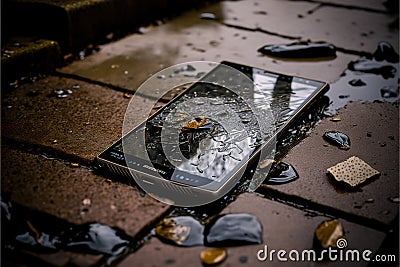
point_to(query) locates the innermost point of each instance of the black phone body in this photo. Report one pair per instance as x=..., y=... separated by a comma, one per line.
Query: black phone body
x=201, y=164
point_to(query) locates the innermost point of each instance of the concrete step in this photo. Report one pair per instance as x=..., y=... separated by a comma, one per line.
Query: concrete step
x=28, y=57
x=76, y=23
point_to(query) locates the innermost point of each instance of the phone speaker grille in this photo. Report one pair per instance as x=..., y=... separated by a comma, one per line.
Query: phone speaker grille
x=118, y=170
x=176, y=188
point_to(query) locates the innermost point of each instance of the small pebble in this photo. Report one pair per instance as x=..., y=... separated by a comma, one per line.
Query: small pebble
x=87, y=202
x=343, y=96
x=213, y=256
x=394, y=199
x=210, y=16
x=75, y=165
x=370, y=200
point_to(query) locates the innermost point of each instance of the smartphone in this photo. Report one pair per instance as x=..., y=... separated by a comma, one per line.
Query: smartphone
x=207, y=156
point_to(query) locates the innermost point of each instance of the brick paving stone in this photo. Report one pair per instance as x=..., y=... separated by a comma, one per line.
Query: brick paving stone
x=357, y=30
x=64, y=259
x=77, y=23
x=24, y=56
x=366, y=4
x=130, y=61
x=311, y=158
x=284, y=227
x=84, y=123
x=56, y=188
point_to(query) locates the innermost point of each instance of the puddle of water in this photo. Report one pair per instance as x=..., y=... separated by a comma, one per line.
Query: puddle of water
x=373, y=78
x=366, y=65
x=300, y=50
x=40, y=232
x=281, y=173
x=338, y=139
x=96, y=238
x=233, y=230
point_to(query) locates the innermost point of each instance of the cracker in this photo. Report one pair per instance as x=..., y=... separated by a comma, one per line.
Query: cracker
x=353, y=171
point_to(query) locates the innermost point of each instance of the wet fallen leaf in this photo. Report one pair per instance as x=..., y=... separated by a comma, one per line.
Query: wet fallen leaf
x=335, y=119
x=36, y=232
x=353, y=171
x=327, y=233
x=127, y=95
x=213, y=256
x=194, y=124
x=75, y=165
x=266, y=163
x=181, y=231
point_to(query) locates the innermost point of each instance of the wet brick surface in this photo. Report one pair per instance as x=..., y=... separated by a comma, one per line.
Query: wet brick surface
x=284, y=227
x=83, y=124
x=357, y=30
x=311, y=158
x=59, y=189
x=372, y=5
x=130, y=61
x=42, y=134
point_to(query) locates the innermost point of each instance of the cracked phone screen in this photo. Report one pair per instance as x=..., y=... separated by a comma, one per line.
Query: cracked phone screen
x=209, y=130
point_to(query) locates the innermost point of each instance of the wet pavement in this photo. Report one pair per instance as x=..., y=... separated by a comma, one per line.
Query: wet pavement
x=284, y=227
x=53, y=128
